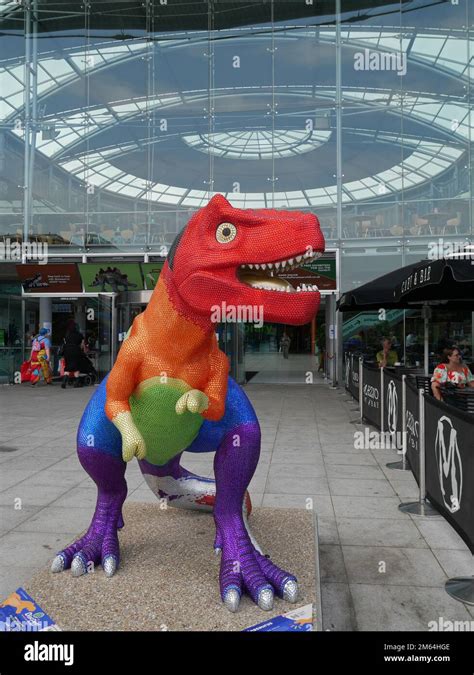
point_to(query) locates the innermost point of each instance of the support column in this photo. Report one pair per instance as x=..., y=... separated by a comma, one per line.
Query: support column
x=80, y=315
x=331, y=338
x=27, y=124
x=339, y=344
x=46, y=313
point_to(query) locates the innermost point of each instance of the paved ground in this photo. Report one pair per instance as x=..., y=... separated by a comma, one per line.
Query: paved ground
x=380, y=569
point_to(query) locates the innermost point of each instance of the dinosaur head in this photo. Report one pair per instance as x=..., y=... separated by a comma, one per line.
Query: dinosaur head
x=233, y=256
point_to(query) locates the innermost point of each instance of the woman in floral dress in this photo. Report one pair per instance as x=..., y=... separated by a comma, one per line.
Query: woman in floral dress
x=451, y=371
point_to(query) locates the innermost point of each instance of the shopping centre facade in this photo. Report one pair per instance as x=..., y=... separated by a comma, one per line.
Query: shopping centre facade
x=119, y=120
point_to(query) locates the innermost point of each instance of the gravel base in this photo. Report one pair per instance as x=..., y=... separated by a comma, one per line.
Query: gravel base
x=168, y=577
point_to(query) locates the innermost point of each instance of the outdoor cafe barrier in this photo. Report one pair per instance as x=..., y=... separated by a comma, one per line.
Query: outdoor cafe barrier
x=435, y=441
x=352, y=375
x=450, y=465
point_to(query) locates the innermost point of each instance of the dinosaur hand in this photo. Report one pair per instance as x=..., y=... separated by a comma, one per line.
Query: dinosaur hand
x=133, y=444
x=194, y=400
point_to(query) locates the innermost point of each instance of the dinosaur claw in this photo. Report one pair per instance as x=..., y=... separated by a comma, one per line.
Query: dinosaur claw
x=290, y=590
x=232, y=599
x=109, y=565
x=58, y=563
x=78, y=566
x=265, y=599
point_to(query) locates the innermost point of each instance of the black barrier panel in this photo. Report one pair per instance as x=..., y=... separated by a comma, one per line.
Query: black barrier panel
x=413, y=428
x=371, y=396
x=449, y=455
x=393, y=413
x=351, y=375
x=347, y=370
x=354, y=380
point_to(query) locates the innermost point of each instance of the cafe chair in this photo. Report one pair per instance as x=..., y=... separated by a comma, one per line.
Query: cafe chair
x=452, y=224
x=424, y=382
x=397, y=230
x=108, y=234
x=127, y=236
x=365, y=228
x=76, y=239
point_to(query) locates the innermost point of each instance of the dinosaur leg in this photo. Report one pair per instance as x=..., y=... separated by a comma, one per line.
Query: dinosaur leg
x=243, y=564
x=99, y=451
x=182, y=488
x=236, y=440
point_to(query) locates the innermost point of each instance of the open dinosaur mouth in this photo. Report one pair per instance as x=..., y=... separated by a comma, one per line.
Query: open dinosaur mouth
x=264, y=276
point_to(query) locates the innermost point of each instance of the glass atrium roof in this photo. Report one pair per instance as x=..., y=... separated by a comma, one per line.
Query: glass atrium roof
x=436, y=49
x=258, y=144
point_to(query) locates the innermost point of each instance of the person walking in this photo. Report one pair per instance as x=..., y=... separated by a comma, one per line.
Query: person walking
x=72, y=354
x=40, y=357
x=285, y=345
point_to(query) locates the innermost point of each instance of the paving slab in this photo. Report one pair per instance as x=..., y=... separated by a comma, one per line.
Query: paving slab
x=403, y=608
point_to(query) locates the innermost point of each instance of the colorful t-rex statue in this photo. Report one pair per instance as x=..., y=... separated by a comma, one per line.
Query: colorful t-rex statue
x=170, y=390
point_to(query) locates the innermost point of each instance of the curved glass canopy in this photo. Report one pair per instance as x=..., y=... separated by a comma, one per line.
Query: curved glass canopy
x=448, y=118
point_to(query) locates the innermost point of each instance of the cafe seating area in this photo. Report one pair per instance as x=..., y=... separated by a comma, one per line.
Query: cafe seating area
x=421, y=219
x=395, y=221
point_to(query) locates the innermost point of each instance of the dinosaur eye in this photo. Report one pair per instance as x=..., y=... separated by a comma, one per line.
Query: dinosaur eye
x=225, y=233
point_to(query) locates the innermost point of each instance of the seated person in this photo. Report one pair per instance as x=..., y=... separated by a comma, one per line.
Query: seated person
x=387, y=356
x=451, y=371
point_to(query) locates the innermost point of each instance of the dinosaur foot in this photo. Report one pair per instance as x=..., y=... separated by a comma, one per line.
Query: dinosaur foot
x=244, y=567
x=99, y=545
x=86, y=553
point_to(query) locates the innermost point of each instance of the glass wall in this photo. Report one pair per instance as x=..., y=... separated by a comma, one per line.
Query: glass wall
x=11, y=335
x=134, y=114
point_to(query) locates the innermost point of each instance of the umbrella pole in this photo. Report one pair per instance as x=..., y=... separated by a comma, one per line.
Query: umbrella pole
x=426, y=339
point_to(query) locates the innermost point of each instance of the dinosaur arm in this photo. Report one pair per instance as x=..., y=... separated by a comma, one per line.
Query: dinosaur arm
x=122, y=381
x=120, y=386
x=216, y=388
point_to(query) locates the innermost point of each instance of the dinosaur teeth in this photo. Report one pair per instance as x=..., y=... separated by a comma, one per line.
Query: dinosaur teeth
x=303, y=288
x=288, y=264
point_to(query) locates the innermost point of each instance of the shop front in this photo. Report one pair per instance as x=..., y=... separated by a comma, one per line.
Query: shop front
x=102, y=297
